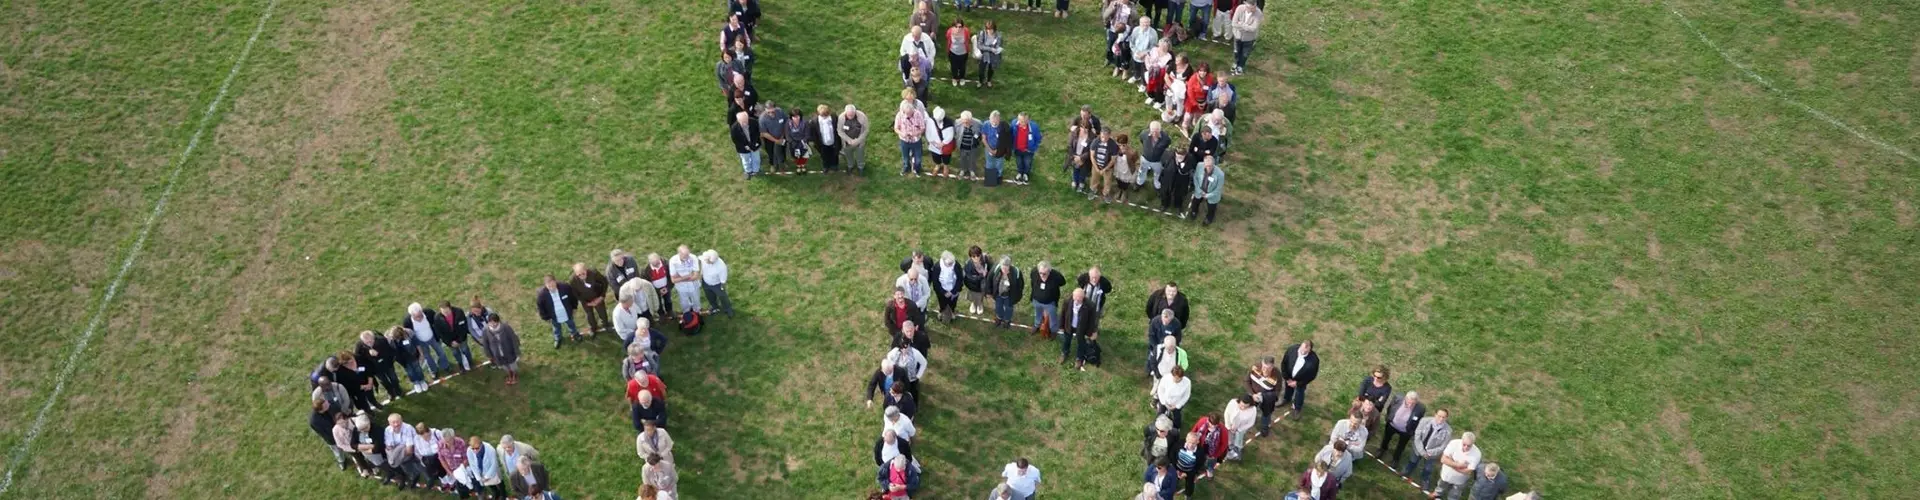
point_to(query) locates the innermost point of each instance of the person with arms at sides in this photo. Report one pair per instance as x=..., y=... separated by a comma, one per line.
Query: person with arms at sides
x=891, y=420
x=659, y=277
x=628, y=316
x=1246, y=28
x=686, y=279
x=1338, y=459
x=427, y=447
x=1125, y=173
x=1083, y=323
x=622, y=268
x=1489, y=483
x=947, y=285
x=428, y=329
x=899, y=480
x=661, y=474
x=643, y=354
x=1022, y=478
x=735, y=29
x=1199, y=12
x=1160, y=476
x=997, y=137
x=914, y=282
x=822, y=134
x=910, y=361
x=916, y=51
x=322, y=422
x=1215, y=120
x=890, y=445
x=1171, y=393
x=1319, y=483
x=1154, y=144
x=1160, y=441
x=403, y=461
x=346, y=441
x=926, y=16
x=376, y=354
x=1190, y=462
x=646, y=382
x=1429, y=439
x=646, y=408
x=940, y=141
x=1086, y=120
x=920, y=86
x=713, y=281
x=1376, y=389
x=653, y=440
x=1097, y=288
x=1046, y=297
x=457, y=339
x=1177, y=180
x=959, y=45
x=477, y=328
x=530, y=478
x=1219, y=22
x=987, y=47
x=1104, y=153
x=853, y=134
x=746, y=139
x=1213, y=439
x=882, y=381
x=1403, y=416
x=898, y=397
x=371, y=442
x=773, y=135
x=512, y=449
x=1458, y=461
x=1263, y=383
x=556, y=303
x=1208, y=184
x=408, y=355
x=506, y=345
x=1159, y=329
x=796, y=141
x=1238, y=419
x=1026, y=136
x=900, y=311
x=723, y=73
x=1162, y=361
x=359, y=386
x=1298, y=368
x=1005, y=285
x=967, y=145
x=973, y=275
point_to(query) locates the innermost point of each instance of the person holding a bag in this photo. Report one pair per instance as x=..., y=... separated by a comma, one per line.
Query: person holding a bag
x=940, y=141
x=986, y=47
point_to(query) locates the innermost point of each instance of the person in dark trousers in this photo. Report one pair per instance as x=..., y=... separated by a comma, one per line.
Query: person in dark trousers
x=1097, y=287
x=648, y=409
x=1082, y=322
x=1176, y=182
x=822, y=132
x=459, y=337
x=1209, y=183
x=346, y=371
x=377, y=355
x=1263, y=382
x=556, y=304
x=1297, y=369
x=321, y=421
x=593, y=289
x=1169, y=297
x=1400, y=418
x=371, y=441
x=1046, y=296
x=1376, y=389
x=899, y=310
x=621, y=268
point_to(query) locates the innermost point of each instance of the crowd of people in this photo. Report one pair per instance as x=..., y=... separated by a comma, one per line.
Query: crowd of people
x=431, y=345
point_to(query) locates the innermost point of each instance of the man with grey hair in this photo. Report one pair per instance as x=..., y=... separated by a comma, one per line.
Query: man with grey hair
x=853, y=139
x=1403, y=414
x=900, y=424
x=627, y=316
x=713, y=281
x=427, y=328
x=746, y=141
x=1489, y=484
x=915, y=286
x=621, y=268
x=1046, y=296
x=998, y=139
x=686, y=279
x=1458, y=461
x=403, y=458
x=512, y=450
x=967, y=145
x=1429, y=439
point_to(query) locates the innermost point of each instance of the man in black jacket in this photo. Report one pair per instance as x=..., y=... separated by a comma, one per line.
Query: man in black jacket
x=746, y=142
x=1176, y=179
x=556, y=305
x=821, y=132
x=1154, y=144
x=899, y=310
x=1005, y=286
x=371, y=441
x=1046, y=296
x=1097, y=287
x=1082, y=321
x=593, y=289
x=889, y=439
x=1297, y=369
x=621, y=268
x=376, y=354
x=458, y=335
x=1168, y=298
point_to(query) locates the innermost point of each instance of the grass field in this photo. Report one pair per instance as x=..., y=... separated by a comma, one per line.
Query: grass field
x=1637, y=269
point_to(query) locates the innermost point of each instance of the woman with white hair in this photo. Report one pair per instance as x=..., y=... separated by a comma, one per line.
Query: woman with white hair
x=713, y=281
x=940, y=141
x=947, y=285
x=910, y=124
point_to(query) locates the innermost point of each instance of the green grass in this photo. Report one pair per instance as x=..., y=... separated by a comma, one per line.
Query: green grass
x=1632, y=269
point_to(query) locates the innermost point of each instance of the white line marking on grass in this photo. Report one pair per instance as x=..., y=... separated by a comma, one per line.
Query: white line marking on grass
x=20, y=451
x=1768, y=84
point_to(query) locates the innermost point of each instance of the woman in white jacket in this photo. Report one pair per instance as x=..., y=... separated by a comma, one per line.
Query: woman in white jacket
x=940, y=141
x=1170, y=394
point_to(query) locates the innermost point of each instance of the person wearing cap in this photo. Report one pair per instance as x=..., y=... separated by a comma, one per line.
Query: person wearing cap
x=713, y=281
x=505, y=345
x=940, y=141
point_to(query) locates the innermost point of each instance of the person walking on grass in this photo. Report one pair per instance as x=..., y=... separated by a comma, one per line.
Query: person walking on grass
x=530, y=479
x=713, y=281
x=556, y=304
x=661, y=475
x=746, y=142
x=853, y=135
x=1213, y=439
x=1159, y=441
x=987, y=47
x=1190, y=462
x=506, y=347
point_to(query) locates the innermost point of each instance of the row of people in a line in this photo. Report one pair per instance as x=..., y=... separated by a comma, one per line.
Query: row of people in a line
x=417, y=456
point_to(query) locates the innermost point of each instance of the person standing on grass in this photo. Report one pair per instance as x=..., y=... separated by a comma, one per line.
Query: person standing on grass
x=530, y=478
x=1060, y=9
x=882, y=381
x=686, y=279
x=898, y=397
x=916, y=51
x=911, y=363
x=321, y=420
x=647, y=382
x=1154, y=144
x=1458, y=461
x=476, y=321
x=996, y=136
x=918, y=338
x=959, y=44
x=940, y=141
x=1079, y=158
x=947, y=285
x=745, y=99
x=1238, y=419
x=973, y=275
x=1376, y=389
x=914, y=282
x=1097, y=288
x=377, y=355
x=1199, y=12
x=1297, y=369
x=627, y=317
x=1189, y=462
x=1162, y=361
x=483, y=468
x=428, y=329
x=506, y=346
x=746, y=142
x=796, y=141
x=1429, y=439
x=1489, y=483
x=1171, y=393
x=1208, y=184
x=853, y=133
x=1005, y=285
x=593, y=288
x=1168, y=297
x=713, y=281
x=427, y=447
x=1319, y=483
x=1216, y=122
x=1022, y=478
x=1083, y=323
x=773, y=134
x=403, y=461
x=1338, y=459
x=967, y=146
x=1159, y=329
x=640, y=359
x=1159, y=441
x=822, y=133
x=511, y=450
x=1125, y=170
x=920, y=83
x=345, y=444
x=1263, y=383
x=898, y=480
x=987, y=46
x=1161, y=479
x=453, y=460
x=371, y=442
x=348, y=373
x=653, y=440
x=647, y=409
x=556, y=304
x=723, y=73
x=658, y=277
x=1246, y=28
x=1177, y=181
x=621, y=269
x=457, y=340
x=409, y=357
x=910, y=125
x=1105, y=153
x=900, y=311
x=1046, y=297
x=888, y=446
x=1220, y=21
x=1213, y=439
x=1402, y=418
x=659, y=473
x=1141, y=40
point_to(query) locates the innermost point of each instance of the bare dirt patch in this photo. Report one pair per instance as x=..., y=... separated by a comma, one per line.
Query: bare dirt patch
x=1903, y=214
x=1846, y=16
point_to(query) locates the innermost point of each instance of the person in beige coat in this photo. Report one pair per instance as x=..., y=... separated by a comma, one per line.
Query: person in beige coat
x=653, y=440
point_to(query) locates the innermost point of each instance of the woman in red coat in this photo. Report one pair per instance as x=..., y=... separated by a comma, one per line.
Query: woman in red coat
x=1197, y=88
x=1213, y=439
